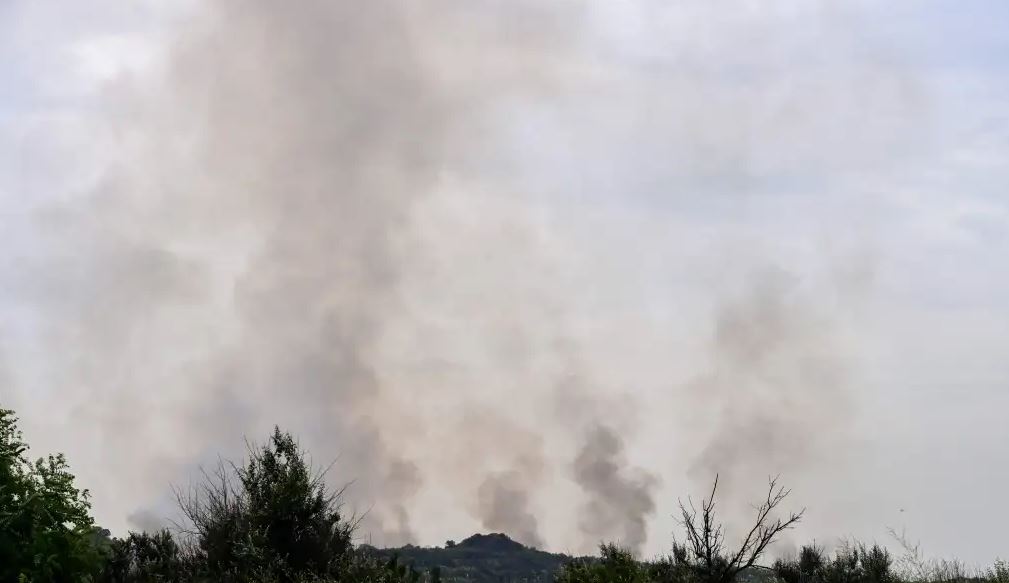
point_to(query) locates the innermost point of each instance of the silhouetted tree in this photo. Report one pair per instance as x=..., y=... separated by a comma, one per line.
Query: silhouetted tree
x=808, y=568
x=46, y=529
x=876, y=564
x=614, y=565
x=851, y=563
x=272, y=517
x=143, y=557
x=705, y=536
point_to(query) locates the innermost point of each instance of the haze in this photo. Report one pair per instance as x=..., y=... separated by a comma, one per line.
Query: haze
x=531, y=267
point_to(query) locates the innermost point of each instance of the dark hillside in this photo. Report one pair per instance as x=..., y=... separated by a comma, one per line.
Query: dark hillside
x=482, y=558
x=496, y=558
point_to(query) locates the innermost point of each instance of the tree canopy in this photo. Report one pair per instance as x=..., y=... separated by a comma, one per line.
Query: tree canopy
x=46, y=529
x=273, y=516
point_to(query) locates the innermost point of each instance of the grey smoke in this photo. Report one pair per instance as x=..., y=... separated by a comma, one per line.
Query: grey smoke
x=146, y=521
x=504, y=507
x=243, y=266
x=776, y=399
x=402, y=482
x=317, y=219
x=621, y=497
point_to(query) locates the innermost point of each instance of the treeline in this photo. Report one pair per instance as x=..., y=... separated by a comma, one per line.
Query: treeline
x=272, y=519
x=851, y=563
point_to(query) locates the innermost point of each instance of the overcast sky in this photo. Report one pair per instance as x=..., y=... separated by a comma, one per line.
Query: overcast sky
x=616, y=185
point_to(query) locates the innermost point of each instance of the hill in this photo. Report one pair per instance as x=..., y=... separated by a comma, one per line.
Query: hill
x=496, y=558
x=482, y=558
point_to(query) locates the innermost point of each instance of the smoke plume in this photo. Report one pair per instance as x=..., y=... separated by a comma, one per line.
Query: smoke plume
x=776, y=399
x=504, y=507
x=250, y=249
x=378, y=225
x=620, y=497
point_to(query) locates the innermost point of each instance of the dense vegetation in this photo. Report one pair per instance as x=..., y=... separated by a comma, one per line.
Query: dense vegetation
x=272, y=520
x=482, y=557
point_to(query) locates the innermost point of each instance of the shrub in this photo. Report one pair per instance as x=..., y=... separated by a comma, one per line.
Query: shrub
x=272, y=517
x=142, y=557
x=46, y=529
x=615, y=565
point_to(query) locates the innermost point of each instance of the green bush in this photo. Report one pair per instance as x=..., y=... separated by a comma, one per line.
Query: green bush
x=852, y=563
x=618, y=565
x=614, y=565
x=272, y=518
x=46, y=529
x=142, y=557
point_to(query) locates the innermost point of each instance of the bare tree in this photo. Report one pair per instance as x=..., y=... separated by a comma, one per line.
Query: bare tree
x=211, y=509
x=706, y=536
x=913, y=565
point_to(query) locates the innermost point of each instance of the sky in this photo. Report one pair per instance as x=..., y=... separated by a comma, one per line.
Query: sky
x=501, y=260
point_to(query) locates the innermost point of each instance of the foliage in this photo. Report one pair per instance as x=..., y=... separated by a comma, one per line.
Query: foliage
x=481, y=557
x=703, y=558
x=999, y=573
x=615, y=565
x=46, y=529
x=272, y=517
x=851, y=563
x=913, y=567
x=273, y=520
x=145, y=557
x=619, y=565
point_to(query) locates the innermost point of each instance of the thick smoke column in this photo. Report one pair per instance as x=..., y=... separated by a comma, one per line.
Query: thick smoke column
x=620, y=497
x=402, y=483
x=244, y=264
x=504, y=507
x=311, y=138
x=505, y=494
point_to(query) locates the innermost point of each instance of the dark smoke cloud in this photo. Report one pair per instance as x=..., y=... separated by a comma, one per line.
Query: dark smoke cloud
x=621, y=497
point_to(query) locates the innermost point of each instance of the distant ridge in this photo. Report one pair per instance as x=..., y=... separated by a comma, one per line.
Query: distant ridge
x=481, y=558
x=494, y=542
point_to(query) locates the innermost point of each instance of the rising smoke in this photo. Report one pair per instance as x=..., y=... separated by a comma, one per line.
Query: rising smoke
x=777, y=397
x=324, y=216
x=277, y=179
x=620, y=498
x=504, y=506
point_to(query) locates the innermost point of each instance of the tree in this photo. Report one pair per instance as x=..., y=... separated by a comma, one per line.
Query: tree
x=46, y=529
x=852, y=563
x=272, y=517
x=615, y=565
x=142, y=557
x=706, y=536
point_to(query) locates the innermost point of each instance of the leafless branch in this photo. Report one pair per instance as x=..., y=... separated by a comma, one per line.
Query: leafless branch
x=706, y=537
